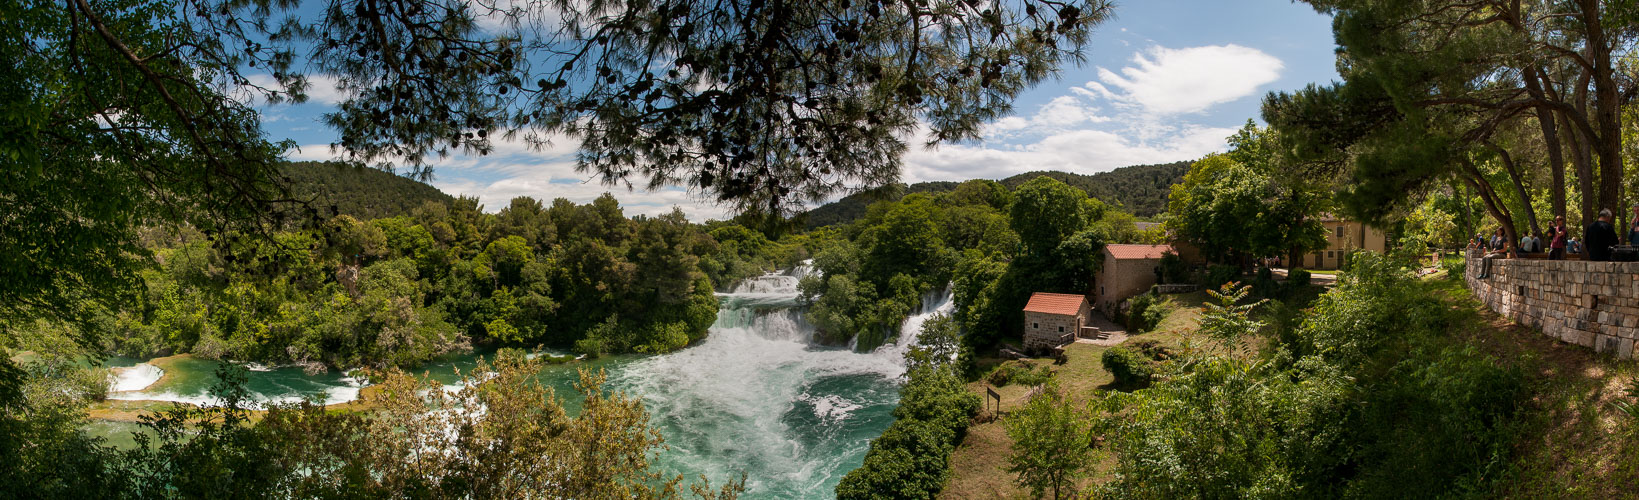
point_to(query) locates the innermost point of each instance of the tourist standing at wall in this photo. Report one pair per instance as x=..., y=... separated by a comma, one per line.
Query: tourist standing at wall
x=1633, y=226
x=1558, y=234
x=1599, y=237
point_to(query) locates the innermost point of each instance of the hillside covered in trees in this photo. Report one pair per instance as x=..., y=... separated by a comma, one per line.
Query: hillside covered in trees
x=1140, y=190
x=361, y=192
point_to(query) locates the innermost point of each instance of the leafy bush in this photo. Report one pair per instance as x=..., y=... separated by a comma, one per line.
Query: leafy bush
x=1173, y=269
x=1298, y=278
x=1018, y=372
x=1052, y=444
x=1218, y=274
x=1264, y=284
x=1146, y=311
x=1455, y=268
x=1128, y=367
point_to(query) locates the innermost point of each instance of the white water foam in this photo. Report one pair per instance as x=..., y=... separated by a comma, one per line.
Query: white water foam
x=727, y=398
x=934, y=303
x=133, y=378
x=831, y=408
x=347, y=392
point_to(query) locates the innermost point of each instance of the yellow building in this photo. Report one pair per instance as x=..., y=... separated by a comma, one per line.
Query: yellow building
x=1342, y=237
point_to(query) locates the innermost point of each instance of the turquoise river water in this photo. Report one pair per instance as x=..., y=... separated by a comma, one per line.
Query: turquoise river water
x=757, y=396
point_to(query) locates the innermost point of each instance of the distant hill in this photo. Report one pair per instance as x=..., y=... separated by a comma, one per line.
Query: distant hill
x=853, y=206
x=1140, y=189
x=362, y=192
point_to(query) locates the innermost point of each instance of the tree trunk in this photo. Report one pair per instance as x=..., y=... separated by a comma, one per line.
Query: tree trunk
x=1584, y=170
x=1550, y=138
x=1493, y=203
x=1519, y=188
x=1608, y=145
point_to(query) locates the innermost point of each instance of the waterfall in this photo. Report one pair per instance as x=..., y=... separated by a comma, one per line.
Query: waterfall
x=934, y=303
x=760, y=396
x=133, y=378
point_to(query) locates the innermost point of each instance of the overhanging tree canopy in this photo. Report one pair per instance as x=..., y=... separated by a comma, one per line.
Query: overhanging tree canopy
x=763, y=104
x=119, y=114
x=1446, y=89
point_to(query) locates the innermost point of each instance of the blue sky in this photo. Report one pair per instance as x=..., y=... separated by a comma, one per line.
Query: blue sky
x=1165, y=80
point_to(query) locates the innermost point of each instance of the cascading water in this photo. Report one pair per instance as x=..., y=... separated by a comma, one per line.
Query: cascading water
x=758, y=396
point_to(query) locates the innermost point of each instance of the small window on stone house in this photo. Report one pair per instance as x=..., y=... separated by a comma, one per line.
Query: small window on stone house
x=1035, y=325
x=1061, y=329
x=1340, y=231
x=1329, y=254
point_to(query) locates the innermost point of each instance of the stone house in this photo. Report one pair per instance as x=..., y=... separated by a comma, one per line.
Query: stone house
x=1342, y=237
x=1054, y=319
x=1128, y=270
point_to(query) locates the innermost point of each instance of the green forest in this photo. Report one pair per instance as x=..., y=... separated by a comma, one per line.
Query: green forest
x=1140, y=190
x=443, y=276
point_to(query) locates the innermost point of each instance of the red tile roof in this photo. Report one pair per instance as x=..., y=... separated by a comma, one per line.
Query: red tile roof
x=1055, y=303
x=1138, y=252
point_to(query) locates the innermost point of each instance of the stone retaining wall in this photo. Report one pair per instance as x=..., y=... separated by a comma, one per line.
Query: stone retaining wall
x=1591, y=304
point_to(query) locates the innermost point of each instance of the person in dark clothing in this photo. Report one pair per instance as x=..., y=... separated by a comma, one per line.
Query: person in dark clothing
x=1598, y=237
x=1558, y=236
x=1633, y=226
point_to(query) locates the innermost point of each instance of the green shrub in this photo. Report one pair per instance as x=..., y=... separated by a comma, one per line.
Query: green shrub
x=1298, y=278
x=1218, y=274
x=1264, y=284
x=1173, y=269
x=1146, y=311
x=592, y=347
x=1018, y=372
x=1455, y=268
x=1128, y=367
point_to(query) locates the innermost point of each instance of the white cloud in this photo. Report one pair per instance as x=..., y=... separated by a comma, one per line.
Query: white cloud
x=1171, y=81
x=1071, y=133
x=516, y=168
x=312, y=152
x=1058, y=114
x=1082, y=151
x=321, y=89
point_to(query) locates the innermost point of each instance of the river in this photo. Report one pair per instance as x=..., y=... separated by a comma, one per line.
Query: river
x=757, y=396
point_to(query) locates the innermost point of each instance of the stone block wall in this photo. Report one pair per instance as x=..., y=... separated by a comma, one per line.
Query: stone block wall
x=1042, y=330
x=1591, y=304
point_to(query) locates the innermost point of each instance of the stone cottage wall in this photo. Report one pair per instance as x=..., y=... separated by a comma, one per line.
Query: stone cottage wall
x=1591, y=304
x=1118, y=280
x=1041, y=330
